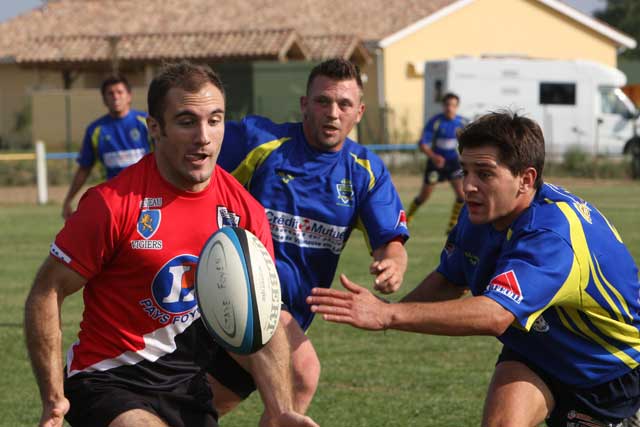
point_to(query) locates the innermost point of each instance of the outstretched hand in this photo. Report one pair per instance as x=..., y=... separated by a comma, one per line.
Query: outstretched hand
x=358, y=307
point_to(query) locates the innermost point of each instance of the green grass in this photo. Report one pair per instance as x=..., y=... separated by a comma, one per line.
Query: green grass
x=368, y=379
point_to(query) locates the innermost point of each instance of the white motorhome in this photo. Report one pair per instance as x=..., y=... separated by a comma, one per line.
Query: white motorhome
x=577, y=103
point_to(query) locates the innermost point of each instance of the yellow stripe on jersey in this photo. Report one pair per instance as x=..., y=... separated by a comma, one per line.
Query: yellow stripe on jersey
x=95, y=141
x=255, y=158
x=563, y=318
x=615, y=292
x=367, y=165
x=360, y=226
x=584, y=328
x=143, y=120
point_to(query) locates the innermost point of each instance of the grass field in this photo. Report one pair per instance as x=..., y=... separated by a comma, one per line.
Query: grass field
x=368, y=379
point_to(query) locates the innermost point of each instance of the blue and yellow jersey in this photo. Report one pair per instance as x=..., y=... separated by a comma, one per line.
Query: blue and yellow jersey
x=117, y=143
x=565, y=274
x=441, y=134
x=313, y=200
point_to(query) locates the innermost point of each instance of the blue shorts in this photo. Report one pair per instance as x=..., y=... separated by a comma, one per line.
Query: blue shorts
x=450, y=171
x=606, y=404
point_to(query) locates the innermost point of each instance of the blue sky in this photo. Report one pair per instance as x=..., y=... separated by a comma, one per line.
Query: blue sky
x=11, y=8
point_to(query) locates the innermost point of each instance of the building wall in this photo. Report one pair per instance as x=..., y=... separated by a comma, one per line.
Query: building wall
x=85, y=105
x=519, y=27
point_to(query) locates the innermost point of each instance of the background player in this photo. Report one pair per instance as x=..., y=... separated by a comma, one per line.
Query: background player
x=551, y=278
x=133, y=246
x=440, y=144
x=117, y=139
x=316, y=185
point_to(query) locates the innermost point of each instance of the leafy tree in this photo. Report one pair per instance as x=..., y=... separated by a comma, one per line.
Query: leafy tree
x=625, y=16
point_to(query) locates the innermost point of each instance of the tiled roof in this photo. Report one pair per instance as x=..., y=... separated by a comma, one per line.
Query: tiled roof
x=364, y=19
x=268, y=44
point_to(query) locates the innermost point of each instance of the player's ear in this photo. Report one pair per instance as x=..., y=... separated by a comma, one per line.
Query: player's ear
x=361, y=109
x=528, y=180
x=303, y=106
x=154, y=127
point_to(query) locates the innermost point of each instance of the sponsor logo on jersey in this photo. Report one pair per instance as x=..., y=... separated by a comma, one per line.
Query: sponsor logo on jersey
x=122, y=158
x=172, y=292
x=306, y=232
x=540, y=325
x=584, y=210
x=151, y=202
x=149, y=222
x=134, y=134
x=402, y=220
x=226, y=218
x=507, y=284
x=59, y=253
x=345, y=192
x=473, y=259
x=147, y=244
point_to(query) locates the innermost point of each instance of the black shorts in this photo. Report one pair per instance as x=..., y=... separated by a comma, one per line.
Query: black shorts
x=609, y=403
x=450, y=171
x=96, y=400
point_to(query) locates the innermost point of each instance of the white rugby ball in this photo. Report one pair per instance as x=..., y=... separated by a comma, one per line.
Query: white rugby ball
x=238, y=290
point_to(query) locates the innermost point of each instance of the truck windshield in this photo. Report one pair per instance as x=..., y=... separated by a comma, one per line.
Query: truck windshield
x=614, y=101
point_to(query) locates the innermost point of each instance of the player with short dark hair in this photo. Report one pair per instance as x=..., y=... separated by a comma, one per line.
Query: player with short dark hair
x=316, y=185
x=550, y=277
x=439, y=143
x=117, y=139
x=133, y=247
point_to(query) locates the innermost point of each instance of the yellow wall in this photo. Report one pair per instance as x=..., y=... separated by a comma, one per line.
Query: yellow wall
x=523, y=27
x=49, y=120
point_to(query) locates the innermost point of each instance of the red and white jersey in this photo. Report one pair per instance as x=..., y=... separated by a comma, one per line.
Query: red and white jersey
x=136, y=239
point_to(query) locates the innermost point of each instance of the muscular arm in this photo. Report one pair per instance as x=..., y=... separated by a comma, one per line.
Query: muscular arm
x=43, y=332
x=389, y=265
x=271, y=370
x=434, y=287
x=358, y=307
x=78, y=181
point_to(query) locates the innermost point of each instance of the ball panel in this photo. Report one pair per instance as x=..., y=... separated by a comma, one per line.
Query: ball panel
x=217, y=291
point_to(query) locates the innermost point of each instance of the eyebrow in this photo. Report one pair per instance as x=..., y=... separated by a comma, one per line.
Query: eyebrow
x=482, y=163
x=182, y=113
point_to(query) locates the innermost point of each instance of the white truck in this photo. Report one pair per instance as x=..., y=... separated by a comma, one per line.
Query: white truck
x=577, y=103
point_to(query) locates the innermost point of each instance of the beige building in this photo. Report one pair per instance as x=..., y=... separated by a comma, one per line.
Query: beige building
x=74, y=43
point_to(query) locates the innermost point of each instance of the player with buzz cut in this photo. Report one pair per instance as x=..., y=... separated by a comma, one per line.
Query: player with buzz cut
x=133, y=247
x=316, y=185
x=439, y=143
x=550, y=277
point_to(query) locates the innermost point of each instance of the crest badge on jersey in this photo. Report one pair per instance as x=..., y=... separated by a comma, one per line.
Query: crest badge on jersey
x=507, y=284
x=226, y=218
x=584, y=210
x=134, y=134
x=149, y=222
x=345, y=191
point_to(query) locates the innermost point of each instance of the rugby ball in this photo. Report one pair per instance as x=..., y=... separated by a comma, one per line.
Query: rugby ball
x=238, y=290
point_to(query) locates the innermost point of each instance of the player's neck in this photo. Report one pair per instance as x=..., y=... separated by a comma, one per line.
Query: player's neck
x=119, y=114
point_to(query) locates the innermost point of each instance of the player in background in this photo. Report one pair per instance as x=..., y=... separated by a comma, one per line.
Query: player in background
x=117, y=140
x=440, y=144
x=132, y=247
x=316, y=185
x=550, y=277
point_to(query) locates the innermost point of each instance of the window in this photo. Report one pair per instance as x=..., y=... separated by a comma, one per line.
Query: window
x=612, y=101
x=557, y=93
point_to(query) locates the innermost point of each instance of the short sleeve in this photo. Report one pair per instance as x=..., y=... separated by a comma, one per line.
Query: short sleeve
x=427, y=132
x=535, y=271
x=87, y=155
x=452, y=260
x=382, y=214
x=234, y=146
x=89, y=237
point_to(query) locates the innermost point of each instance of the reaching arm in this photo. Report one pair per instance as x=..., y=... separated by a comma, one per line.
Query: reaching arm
x=435, y=287
x=271, y=370
x=358, y=307
x=389, y=265
x=43, y=332
x=78, y=181
x=436, y=158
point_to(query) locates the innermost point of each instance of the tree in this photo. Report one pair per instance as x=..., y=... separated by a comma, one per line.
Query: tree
x=625, y=16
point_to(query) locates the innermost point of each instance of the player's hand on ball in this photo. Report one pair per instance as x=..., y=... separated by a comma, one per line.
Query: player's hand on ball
x=53, y=413
x=388, y=275
x=358, y=307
